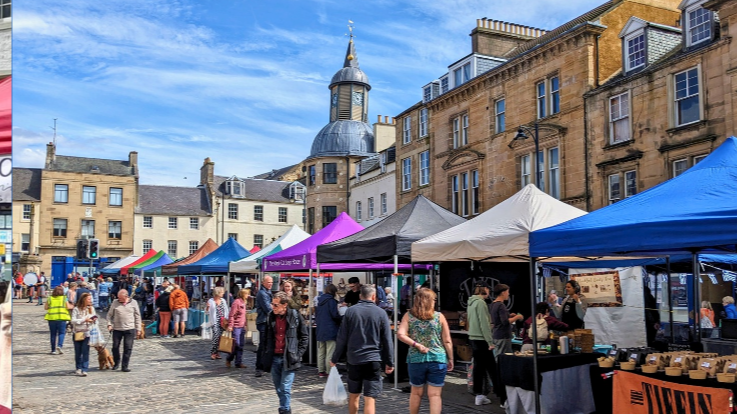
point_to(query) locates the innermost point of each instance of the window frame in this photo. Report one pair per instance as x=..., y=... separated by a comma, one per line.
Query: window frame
x=628, y=117
x=85, y=193
x=370, y=211
x=233, y=236
x=25, y=242
x=424, y=168
x=111, y=227
x=258, y=240
x=406, y=174
x=87, y=228
x=359, y=211
x=333, y=214
x=283, y=215
x=627, y=192
x=554, y=95
x=610, y=195
x=444, y=84
x=150, y=220
x=698, y=95
x=312, y=174
x=455, y=194
x=329, y=175
x=689, y=28
x=62, y=231
x=232, y=211
x=147, y=244
x=456, y=128
x=172, y=251
x=172, y=223
x=258, y=213
x=423, y=122
x=464, y=129
x=59, y=192
x=475, y=196
x=629, y=54
x=26, y=214
x=382, y=198
x=553, y=172
x=194, y=223
x=673, y=168
x=465, y=194
x=195, y=244
x=117, y=196
x=541, y=99
x=500, y=116
x=525, y=170
x=407, y=129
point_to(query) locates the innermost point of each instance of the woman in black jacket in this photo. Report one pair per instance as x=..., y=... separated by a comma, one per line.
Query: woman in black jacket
x=162, y=303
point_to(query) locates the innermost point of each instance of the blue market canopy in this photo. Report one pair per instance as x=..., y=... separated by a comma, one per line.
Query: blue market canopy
x=161, y=261
x=695, y=212
x=217, y=261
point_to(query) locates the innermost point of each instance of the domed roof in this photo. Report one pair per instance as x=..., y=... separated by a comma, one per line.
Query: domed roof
x=350, y=74
x=342, y=138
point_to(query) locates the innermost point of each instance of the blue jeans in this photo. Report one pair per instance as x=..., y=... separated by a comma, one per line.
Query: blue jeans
x=102, y=303
x=283, y=380
x=58, y=329
x=239, y=337
x=82, y=354
x=431, y=373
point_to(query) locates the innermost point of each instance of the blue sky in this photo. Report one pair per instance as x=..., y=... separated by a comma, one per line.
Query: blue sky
x=242, y=82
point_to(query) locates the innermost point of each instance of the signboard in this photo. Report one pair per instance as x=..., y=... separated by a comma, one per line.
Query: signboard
x=601, y=289
x=457, y=282
x=637, y=394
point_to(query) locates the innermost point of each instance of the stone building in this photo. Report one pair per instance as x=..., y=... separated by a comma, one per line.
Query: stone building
x=670, y=105
x=457, y=146
x=26, y=199
x=373, y=191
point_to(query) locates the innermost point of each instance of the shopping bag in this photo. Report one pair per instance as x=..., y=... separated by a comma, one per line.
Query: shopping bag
x=226, y=343
x=334, y=393
x=206, y=332
x=96, y=338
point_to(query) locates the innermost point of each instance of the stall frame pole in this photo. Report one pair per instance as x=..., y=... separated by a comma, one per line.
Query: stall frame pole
x=309, y=314
x=396, y=326
x=670, y=302
x=696, y=296
x=533, y=296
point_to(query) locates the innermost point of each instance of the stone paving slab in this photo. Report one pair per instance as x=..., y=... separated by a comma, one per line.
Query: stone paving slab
x=174, y=376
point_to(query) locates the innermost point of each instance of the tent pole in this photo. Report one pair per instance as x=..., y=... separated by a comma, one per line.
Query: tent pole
x=533, y=296
x=670, y=301
x=396, y=325
x=309, y=313
x=696, y=296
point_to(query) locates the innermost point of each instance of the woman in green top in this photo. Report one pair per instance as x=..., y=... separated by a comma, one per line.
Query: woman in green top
x=57, y=313
x=431, y=351
x=295, y=300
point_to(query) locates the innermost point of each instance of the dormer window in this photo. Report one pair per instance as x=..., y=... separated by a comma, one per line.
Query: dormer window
x=427, y=94
x=444, y=85
x=462, y=75
x=635, y=51
x=698, y=21
x=297, y=191
x=234, y=187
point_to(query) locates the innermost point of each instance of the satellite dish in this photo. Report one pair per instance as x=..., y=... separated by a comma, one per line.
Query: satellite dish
x=30, y=279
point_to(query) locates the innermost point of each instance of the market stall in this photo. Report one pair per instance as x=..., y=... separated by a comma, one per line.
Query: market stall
x=162, y=260
x=114, y=268
x=124, y=269
x=252, y=263
x=693, y=213
x=160, y=256
x=172, y=268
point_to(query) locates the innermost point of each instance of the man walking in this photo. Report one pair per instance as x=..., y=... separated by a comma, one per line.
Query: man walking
x=263, y=309
x=328, y=320
x=179, y=305
x=285, y=341
x=41, y=288
x=124, y=320
x=366, y=336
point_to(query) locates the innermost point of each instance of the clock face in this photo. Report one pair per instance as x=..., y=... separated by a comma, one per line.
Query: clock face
x=335, y=99
x=358, y=98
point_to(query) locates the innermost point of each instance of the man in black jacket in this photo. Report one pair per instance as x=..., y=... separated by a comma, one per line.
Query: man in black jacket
x=285, y=341
x=365, y=335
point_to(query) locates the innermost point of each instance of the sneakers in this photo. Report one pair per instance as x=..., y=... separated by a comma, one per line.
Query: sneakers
x=259, y=373
x=115, y=367
x=322, y=375
x=482, y=400
x=52, y=353
x=82, y=374
x=59, y=351
x=78, y=372
x=505, y=405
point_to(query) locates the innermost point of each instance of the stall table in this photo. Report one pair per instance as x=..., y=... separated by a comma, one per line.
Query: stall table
x=565, y=385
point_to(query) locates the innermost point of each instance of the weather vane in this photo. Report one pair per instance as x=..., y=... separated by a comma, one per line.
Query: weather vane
x=350, y=29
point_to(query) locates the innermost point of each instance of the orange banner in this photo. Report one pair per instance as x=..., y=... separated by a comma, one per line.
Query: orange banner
x=637, y=394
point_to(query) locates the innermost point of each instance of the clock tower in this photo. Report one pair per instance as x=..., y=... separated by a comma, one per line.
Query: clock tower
x=349, y=90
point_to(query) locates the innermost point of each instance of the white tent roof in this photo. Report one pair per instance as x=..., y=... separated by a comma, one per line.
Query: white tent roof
x=123, y=262
x=499, y=234
x=249, y=264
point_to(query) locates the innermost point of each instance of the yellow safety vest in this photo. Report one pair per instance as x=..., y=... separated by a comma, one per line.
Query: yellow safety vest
x=57, y=309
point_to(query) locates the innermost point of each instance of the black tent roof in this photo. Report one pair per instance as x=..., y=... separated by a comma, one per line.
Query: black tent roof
x=393, y=235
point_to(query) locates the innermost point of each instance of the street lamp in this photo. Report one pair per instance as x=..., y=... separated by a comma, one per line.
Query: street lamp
x=522, y=133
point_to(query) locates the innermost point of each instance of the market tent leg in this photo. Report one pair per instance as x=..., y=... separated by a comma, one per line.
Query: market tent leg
x=533, y=296
x=670, y=302
x=309, y=314
x=396, y=328
x=696, y=296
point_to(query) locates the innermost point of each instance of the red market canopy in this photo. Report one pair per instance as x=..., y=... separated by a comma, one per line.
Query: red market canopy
x=207, y=248
x=151, y=253
x=254, y=250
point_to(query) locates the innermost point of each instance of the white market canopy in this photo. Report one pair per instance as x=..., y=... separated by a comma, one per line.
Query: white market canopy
x=499, y=234
x=252, y=263
x=115, y=267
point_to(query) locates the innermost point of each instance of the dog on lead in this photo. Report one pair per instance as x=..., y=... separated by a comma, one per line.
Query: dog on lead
x=142, y=333
x=104, y=358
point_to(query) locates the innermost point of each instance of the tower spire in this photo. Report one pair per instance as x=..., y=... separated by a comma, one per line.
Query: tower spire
x=351, y=60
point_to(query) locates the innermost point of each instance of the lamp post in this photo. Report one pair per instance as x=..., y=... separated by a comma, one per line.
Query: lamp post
x=522, y=133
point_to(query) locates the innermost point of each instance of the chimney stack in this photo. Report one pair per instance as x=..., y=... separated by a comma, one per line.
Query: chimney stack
x=497, y=38
x=50, y=154
x=207, y=172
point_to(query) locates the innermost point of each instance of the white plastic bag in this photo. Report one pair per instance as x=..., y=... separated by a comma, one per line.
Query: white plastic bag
x=206, y=332
x=334, y=393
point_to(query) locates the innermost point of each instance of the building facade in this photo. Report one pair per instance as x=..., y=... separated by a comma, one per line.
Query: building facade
x=26, y=199
x=373, y=191
x=669, y=107
x=460, y=147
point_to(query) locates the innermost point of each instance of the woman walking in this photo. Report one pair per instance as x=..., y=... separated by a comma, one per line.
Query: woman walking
x=164, y=311
x=295, y=301
x=72, y=293
x=218, y=311
x=83, y=320
x=430, y=355
x=237, y=325
x=57, y=313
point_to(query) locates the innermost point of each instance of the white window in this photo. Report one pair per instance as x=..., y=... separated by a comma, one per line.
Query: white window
x=115, y=230
x=383, y=204
x=5, y=9
x=679, y=167
x=194, y=223
x=193, y=246
x=173, y=223
x=297, y=191
x=456, y=132
x=258, y=240
x=464, y=134
x=687, y=97
x=554, y=173
x=233, y=236
x=60, y=227
x=148, y=222
x=619, y=119
x=466, y=72
x=25, y=242
x=147, y=245
x=235, y=188
x=525, y=170
x=499, y=107
x=630, y=183
x=89, y=194
x=699, y=25
x=359, y=211
x=406, y=174
x=540, y=88
x=635, y=51
x=88, y=228
x=457, y=77
x=171, y=248
x=425, y=168
x=464, y=194
x=423, y=122
x=282, y=214
x=697, y=159
x=475, y=201
x=370, y=208
x=455, y=193
x=116, y=196
x=233, y=211
x=444, y=85
x=406, y=136
x=26, y=211
x=258, y=213
x=541, y=170
x=61, y=193
x=615, y=193
x=427, y=93
x=554, y=95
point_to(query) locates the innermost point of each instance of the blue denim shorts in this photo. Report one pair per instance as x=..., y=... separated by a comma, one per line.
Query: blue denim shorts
x=430, y=373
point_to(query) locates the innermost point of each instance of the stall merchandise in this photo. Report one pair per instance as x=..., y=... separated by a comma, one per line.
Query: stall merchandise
x=207, y=248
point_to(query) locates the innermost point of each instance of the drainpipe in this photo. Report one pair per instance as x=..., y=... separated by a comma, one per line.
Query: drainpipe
x=586, y=156
x=347, y=185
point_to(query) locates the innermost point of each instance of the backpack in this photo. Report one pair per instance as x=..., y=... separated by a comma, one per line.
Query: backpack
x=542, y=329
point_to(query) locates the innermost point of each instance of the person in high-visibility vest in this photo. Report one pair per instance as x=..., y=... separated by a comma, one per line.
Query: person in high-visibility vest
x=57, y=313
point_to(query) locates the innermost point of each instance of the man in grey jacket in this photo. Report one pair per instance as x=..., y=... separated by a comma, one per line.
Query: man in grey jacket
x=365, y=335
x=263, y=309
x=124, y=320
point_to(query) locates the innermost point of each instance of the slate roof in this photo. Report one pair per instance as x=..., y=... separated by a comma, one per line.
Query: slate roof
x=351, y=72
x=258, y=190
x=176, y=201
x=343, y=138
x=274, y=174
x=85, y=165
x=27, y=184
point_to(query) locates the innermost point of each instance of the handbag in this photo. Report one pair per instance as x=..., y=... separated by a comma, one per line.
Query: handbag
x=79, y=336
x=226, y=343
x=224, y=323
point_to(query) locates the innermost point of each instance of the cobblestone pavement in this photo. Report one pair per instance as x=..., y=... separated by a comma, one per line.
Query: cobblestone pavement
x=173, y=376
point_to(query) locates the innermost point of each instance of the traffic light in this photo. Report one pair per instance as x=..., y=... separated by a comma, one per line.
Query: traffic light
x=83, y=248
x=94, y=248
